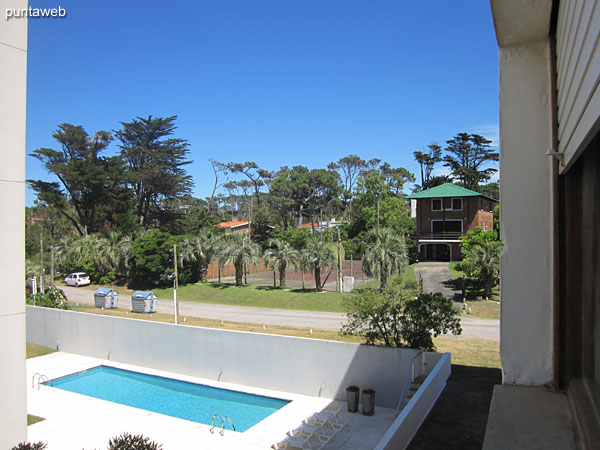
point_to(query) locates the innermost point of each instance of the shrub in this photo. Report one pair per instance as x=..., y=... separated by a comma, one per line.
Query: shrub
x=152, y=261
x=28, y=446
x=82, y=265
x=390, y=317
x=132, y=442
x=51, y=298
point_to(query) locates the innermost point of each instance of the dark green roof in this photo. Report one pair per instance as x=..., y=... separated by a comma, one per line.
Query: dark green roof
x=447, y=190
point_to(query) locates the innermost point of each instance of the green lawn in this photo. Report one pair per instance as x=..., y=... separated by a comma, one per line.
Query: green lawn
x=258, y=296
x=409, y=275
x=33, y=419
x=37, y=350
x=456, y=274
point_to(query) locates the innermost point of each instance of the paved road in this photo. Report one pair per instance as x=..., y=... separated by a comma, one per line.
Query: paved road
x=245, y=314
x=267, y=316
x=436, y=278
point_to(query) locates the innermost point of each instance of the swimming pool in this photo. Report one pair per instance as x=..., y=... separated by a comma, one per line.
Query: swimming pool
x=176, y=398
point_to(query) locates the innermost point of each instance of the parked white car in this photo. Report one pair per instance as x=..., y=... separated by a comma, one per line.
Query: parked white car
x=77, y=279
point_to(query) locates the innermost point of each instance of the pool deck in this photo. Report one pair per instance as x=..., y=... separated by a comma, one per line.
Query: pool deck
x=75, y=421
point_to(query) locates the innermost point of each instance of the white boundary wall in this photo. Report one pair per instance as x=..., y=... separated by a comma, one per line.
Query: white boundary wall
x=298, y=365
x=414, y=413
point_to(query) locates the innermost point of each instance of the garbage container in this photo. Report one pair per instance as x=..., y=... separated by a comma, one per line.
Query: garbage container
x=143, y=302
x=348, y=284
x=106, y=298
x=115, y=298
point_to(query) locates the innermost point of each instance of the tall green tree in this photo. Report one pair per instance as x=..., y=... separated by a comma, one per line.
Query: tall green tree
x=467, y=157
x=349, y=168
x=91, y=190
x=279, y=254
x=238, y=250
x=427, y=161
x=156, y=162
x=309, y=193
x=385, y=254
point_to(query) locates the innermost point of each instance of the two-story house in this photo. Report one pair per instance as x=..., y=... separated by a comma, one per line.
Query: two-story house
x=444, y=214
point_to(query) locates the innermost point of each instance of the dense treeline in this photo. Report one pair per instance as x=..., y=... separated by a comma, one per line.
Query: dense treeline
x=118, y=217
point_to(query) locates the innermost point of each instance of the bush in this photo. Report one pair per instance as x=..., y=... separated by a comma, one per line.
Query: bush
x=152, y=261
x=83, y=265
x=28, y=446
x=128, y=442
x=51, y=298
x=390, y=317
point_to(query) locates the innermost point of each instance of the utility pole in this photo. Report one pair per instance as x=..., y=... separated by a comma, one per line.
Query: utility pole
x=41, y=263
x=52, y=265
x=339, y=252
x=377, y=215
x=175, y=285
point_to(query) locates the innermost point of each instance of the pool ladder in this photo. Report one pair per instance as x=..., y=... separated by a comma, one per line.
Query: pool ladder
x=222, y=432
x=41, y=378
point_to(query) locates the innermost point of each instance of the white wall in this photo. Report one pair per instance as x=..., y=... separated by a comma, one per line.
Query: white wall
x=303, y=366
x=526, y=183
x=13, y=78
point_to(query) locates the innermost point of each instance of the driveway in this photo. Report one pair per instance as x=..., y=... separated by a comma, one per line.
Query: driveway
x=437, y=278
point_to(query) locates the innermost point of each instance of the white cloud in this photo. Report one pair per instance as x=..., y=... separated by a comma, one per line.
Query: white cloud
x=441, y=171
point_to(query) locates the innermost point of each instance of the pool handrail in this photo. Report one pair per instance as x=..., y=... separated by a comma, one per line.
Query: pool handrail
x=232, y=425
x=212, y=428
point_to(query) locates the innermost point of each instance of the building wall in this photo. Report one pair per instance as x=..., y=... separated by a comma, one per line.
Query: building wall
x=299, y=365
x=468, y=214
x=527, y=174
x=13, y=78
x=483, y=219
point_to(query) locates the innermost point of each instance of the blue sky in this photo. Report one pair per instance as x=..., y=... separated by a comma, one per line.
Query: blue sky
x=279, y=82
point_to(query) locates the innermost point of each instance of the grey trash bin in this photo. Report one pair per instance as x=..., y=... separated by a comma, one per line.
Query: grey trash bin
x=143, y=302
x=106, y=298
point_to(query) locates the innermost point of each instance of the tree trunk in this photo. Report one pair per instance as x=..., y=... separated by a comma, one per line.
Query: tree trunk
x=383, y=281
x=303, y=288
x=282, y=274
x=239, y=273
x=318, y=278
x=274, y=279
x=203, y=271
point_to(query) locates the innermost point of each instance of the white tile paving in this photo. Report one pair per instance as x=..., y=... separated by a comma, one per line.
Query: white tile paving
x=76, y=422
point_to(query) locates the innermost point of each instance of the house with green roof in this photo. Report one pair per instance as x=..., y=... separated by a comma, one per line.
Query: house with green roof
x=445, y=213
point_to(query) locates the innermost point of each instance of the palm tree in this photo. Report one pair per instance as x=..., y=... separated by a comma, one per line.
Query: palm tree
x=304, y=263
x=485, y=258
x=279, y=254
x=385, y=254
x=238, y=250
x=201, y=250
x=320, y=256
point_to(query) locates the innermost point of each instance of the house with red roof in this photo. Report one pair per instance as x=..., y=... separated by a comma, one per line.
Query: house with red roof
x=234, y=226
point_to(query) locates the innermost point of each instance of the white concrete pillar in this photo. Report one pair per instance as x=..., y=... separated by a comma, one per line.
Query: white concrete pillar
x=526, y=341
x=13, y=79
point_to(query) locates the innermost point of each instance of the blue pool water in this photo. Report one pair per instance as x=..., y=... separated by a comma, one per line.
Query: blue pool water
x=175, y=398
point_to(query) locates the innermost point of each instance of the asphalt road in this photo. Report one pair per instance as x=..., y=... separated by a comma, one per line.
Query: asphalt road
x=267, y=316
